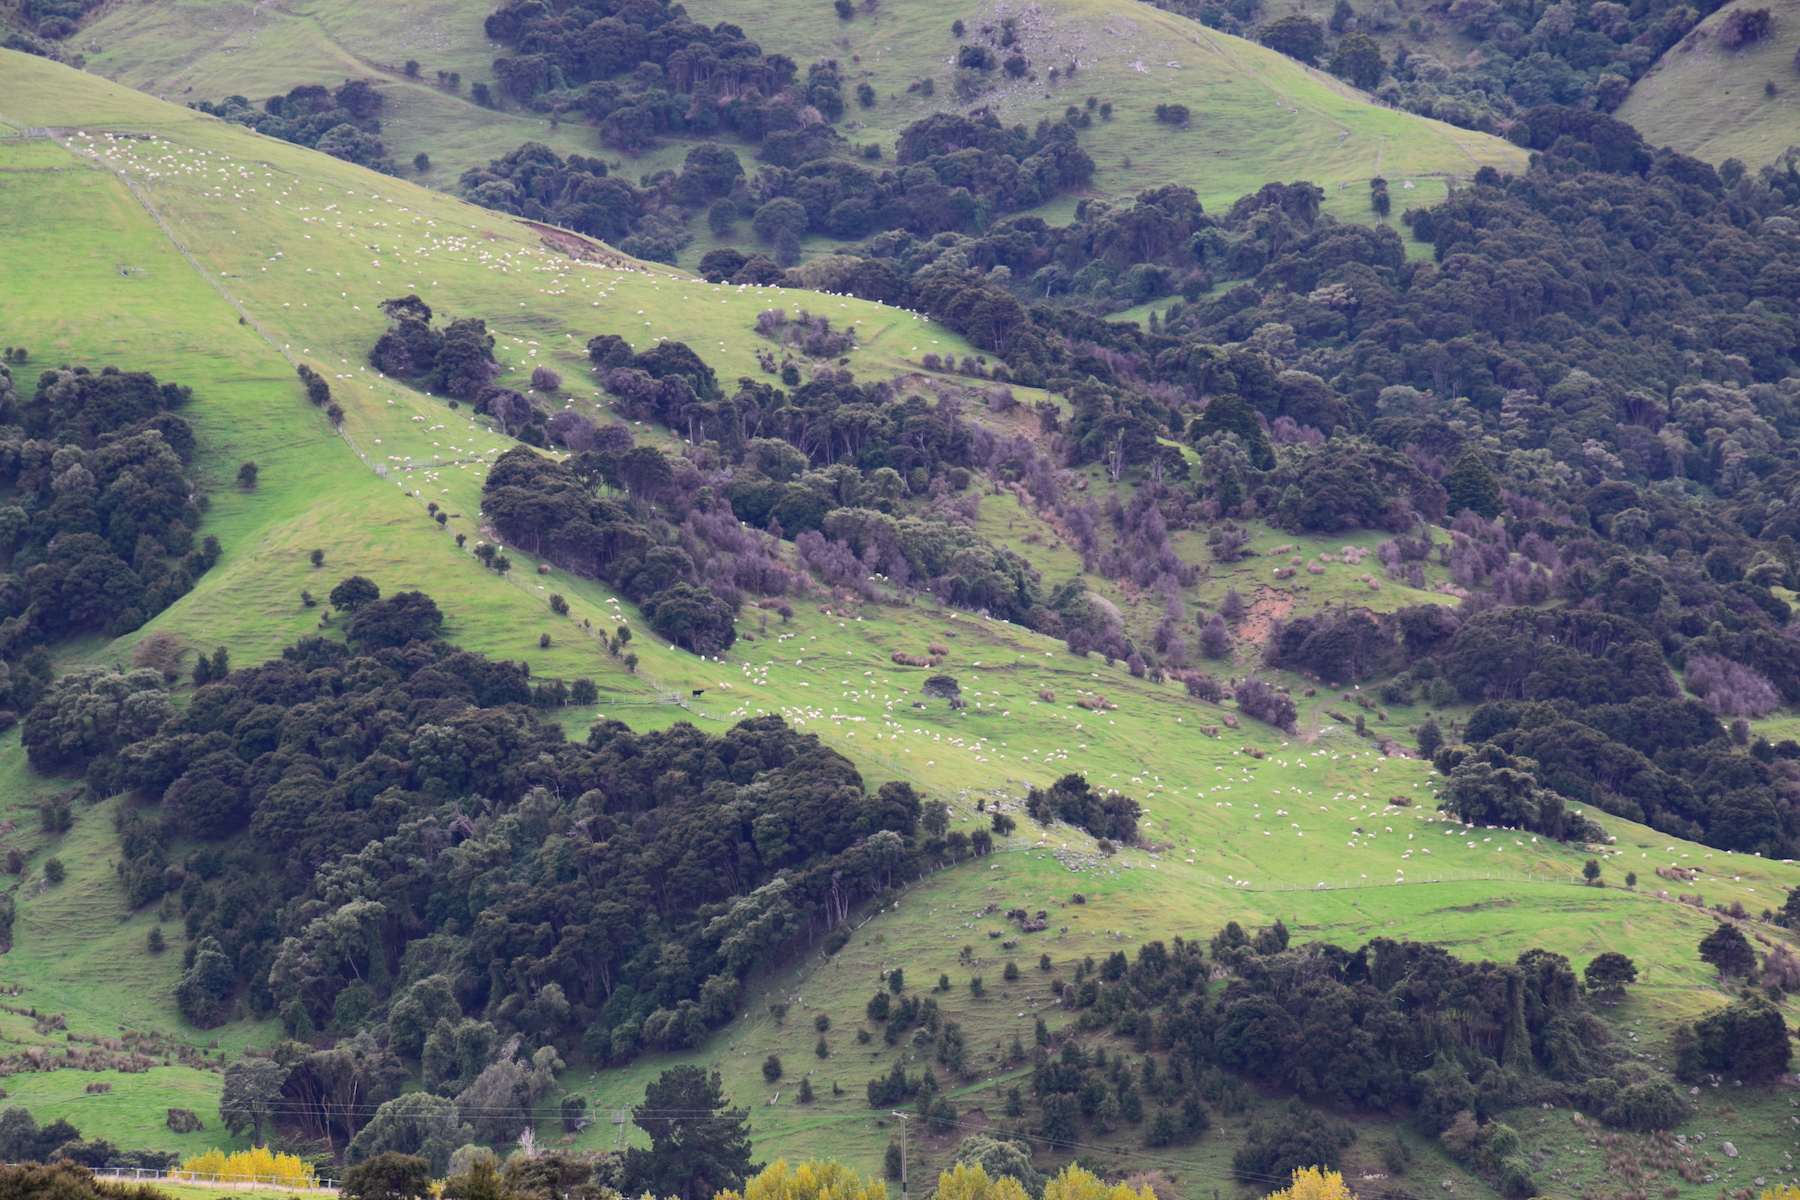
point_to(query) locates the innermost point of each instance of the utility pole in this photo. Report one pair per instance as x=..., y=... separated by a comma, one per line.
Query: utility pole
x=902, y=1117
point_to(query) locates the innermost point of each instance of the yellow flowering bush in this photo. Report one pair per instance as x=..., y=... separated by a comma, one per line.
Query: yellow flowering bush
x=284, y=1170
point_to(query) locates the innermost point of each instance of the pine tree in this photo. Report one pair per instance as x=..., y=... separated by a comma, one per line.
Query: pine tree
x=1472, y=486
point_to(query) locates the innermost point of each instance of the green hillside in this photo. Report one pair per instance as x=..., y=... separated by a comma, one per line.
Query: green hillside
x=148, y=235
x=1257, y=115
x=1715, y=103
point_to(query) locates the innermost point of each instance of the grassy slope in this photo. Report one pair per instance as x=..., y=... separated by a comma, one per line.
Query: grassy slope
x=1261, y=835
x=1257, y=115
x=1709, y=102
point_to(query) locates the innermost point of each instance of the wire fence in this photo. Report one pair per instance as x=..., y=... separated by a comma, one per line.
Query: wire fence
x=1365, y=881
x=220, y=1178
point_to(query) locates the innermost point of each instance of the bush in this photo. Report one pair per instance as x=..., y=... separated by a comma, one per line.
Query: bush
x=1653, y=1104
x=1257, y=699
x=388, y=1176
x=771, y=1068
x=1745, y=27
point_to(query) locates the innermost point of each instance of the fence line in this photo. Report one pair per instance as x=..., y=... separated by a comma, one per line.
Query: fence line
x=148, y=1175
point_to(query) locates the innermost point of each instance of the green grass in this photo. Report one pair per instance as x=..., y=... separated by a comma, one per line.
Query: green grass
x=134, y=1112
x=1709, y=102
x=1257, y=115
x=1240, y=838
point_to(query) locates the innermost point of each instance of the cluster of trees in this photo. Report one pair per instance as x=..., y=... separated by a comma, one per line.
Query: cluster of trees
x=580, y=194
x=549, y=508
x=641, y=70
x=954, y=174
x=343, y=122
x=100, y=531
x=886, y=497
x=1072, y=800
x=457, y=360
x=1578, y=706
x=612, y=894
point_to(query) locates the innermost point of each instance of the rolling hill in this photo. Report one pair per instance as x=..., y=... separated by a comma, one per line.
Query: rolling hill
x=1257, y=115
x=1715, y=103
x=142, y=233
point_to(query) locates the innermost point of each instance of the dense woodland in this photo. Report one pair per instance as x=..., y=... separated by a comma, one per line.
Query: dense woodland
x=100, y=531
x=604, y=897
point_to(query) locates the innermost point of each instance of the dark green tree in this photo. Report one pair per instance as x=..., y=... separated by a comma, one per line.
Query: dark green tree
x=1747, y=1039
x=354, y=592
x=697, y=1146
x=1608, y=974
x=1472, y=487
x=1727, y=951
x=1431, y=738
x=388, y=1176
x=1229, y=413
x=1297, y=37
x=1358, y=59
x=251, y=1095
x=203, y=988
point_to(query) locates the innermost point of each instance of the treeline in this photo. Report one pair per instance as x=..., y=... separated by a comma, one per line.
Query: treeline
x=342, y=122
x=23, y=1140
x=954, y=174
x=100, y=531
x=610, y=895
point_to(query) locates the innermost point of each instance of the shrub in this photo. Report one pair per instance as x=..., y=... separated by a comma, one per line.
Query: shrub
x=1257, y=699
x=1653, y=1104
x=1730, y=688
x=1745, y=27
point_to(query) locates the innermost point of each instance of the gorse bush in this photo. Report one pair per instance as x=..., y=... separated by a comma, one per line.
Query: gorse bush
x=258, y=1164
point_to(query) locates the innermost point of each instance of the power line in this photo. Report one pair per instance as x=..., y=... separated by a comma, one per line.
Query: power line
x=705, y=1115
